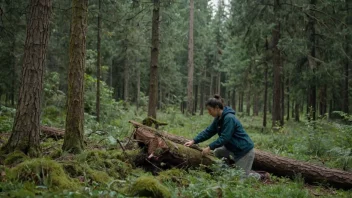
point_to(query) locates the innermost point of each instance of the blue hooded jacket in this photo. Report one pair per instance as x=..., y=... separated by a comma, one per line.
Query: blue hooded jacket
x=231, y=134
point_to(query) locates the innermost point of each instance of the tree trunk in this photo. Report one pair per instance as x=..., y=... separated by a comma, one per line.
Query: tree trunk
x=248, y=105
x=312, y=64
x=347, y=59
x=190, y=98
x=195, y=98
x=26, y=127
x=97, y=104
x=166, y=148
x=276, y=112
x=282, y=99
x=266, y=68
x=14, y=77
x=138, y=85
x=233, y=99
x=73, y=141
x=218, y=87
x=297, y=111
x=202, y=98
x=323, y=100
x=126, y=78
x=288, y=99
x=153, y=83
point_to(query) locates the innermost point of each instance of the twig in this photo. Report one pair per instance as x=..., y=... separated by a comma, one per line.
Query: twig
x=123, y=148
x=153, y=164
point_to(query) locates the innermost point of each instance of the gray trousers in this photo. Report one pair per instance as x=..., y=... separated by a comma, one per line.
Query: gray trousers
x=244, y=163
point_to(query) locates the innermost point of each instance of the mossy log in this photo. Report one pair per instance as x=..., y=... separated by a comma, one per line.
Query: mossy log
x=263, y=161
x=164, y=153
x=282, y=166
x=51, y=132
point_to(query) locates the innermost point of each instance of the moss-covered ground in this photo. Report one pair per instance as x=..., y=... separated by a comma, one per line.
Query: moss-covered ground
x=104, y=170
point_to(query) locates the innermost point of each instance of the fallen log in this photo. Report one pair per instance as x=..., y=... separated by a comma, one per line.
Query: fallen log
x=164, y=154
x=52, y=132
x=264, y=161
x=282, y=166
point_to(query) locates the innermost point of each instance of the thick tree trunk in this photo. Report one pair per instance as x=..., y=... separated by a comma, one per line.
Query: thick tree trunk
x=190, y=98
x=153, y=81
x=26, y=127
x=73, y=141
x=166, y=148
x=97, y=103
x=276, y=112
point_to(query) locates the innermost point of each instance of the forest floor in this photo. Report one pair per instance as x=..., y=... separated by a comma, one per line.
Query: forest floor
x=103, y=170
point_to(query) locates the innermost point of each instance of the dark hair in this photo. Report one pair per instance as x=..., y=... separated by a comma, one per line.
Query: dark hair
x=217, y=101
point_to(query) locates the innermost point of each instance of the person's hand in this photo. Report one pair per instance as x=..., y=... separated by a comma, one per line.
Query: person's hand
x=189, y=143
x=206, y=151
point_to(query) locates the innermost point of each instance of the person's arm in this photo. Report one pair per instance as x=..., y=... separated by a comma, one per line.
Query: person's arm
x=209, y=132
x=226, y=134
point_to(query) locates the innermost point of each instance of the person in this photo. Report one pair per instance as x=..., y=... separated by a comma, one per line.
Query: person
x=233, y=141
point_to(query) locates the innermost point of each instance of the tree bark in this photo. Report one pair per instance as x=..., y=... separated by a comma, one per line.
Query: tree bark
x=312, y=64
x=211, y=93
x=138, y=85
x=26, y=127
x=190, y=107
x=276, y=111
x=202, y=90
x=97, y=103
x=288, y=99
x=233, y=99
x=153, y=83
x=311, y=173
x=347, y=59
x=323, y=100
x=265, y=88
x=248, y=105
x=126, y=77
x=14, y=76
x=196, y=90
x=73, y=140
x=297, y=111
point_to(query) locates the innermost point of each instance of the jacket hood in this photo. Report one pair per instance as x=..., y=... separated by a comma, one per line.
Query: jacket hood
x=227, y=110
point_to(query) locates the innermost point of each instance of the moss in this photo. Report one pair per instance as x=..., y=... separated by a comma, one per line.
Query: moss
x=106, y=161
x=15, y=157
x=174, y=175
x=75, y=169
x=21, y=193
x=43, y=172
x=99, y=176
x=149, y=187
